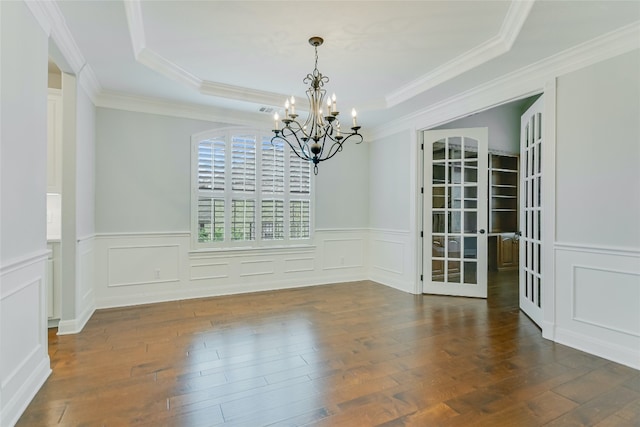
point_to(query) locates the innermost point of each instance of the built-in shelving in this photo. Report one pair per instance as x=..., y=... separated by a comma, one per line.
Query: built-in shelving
x=503, y=209
x=503, y=194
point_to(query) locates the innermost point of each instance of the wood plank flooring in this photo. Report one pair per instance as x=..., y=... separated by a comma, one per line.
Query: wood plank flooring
x=349, y=354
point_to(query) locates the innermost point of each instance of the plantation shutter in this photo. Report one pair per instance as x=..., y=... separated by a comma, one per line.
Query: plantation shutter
x=243, y=219
x=249, y=190
x=272, y=172
x=211, y=164
x=211, y=186
x=299, y=192
x=272, y=221
x=210, y=219
x=299, y=219
x=243, y=163
x=299, y=175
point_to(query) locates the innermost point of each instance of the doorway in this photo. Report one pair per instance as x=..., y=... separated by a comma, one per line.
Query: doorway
x=54, y=194
x=500, y=203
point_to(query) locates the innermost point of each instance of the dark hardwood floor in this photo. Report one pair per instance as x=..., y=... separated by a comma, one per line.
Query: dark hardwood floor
x=350, y=354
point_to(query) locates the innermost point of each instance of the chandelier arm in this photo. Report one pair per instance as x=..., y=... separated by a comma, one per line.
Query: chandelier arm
x=340, y=144
x=301, y=153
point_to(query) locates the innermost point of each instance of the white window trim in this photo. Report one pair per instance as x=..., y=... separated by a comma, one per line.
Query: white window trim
x=258, y=243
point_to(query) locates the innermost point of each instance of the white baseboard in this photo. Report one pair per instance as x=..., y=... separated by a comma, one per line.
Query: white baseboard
x=606, y=350
x=74, y=326
x=209, y=292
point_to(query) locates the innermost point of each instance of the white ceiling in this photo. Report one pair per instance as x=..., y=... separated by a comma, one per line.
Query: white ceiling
x=382, y=57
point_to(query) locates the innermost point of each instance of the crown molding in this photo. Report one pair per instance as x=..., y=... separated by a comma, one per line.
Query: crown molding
x=514, y=20
x=518, y=84
x=133, y=11
x=241, y=93
x=143, y=104
x=490, y=49
x=160, y=64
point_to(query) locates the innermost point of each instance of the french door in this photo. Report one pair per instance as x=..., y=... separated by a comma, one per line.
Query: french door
x=531, y=139
x=455, y=212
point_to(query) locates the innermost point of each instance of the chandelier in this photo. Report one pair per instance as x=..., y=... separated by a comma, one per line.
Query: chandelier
x=320, y=137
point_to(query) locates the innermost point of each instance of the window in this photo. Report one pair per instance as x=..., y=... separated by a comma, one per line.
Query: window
x=249, y=192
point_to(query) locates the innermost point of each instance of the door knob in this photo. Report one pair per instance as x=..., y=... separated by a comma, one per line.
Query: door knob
x=481, y=231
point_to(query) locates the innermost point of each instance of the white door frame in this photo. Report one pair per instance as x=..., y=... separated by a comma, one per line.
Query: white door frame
x=490, y=99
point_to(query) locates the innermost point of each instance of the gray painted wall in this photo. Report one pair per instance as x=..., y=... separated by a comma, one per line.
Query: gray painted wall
x=598, y=154
x=389, y=183
x=503, y=122
x=143, y=165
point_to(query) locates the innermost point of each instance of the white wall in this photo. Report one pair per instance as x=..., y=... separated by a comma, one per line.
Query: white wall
x=24, y=362
x=597, y=259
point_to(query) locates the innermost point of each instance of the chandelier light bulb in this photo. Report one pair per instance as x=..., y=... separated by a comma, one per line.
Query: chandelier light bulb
x=354, y=114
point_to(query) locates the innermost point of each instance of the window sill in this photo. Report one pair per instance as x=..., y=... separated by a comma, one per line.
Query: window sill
x=294, y=249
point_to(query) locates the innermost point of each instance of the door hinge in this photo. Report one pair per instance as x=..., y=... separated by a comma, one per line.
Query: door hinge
x=422, y=234
x=422, y=147
x=422, y=190
x=421, y=278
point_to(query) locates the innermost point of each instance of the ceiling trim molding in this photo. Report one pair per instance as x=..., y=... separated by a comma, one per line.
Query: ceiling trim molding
x=490, y=49
x=153, y=60
x=167, y=68
x=133, y=10
x=521, y=83
x=242, y=94
x=514, y=21
x=144, y=104
x=50, y=18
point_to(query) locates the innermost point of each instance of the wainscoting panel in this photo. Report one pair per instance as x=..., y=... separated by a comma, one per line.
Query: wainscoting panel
x=598, y=295
x=138, y=265
x=211, y=270
x=139, y=268
x=23, y=334
x=258, y=267
x=299, y=265
x=392, y=260
x=343, y=253
x=598, y=301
